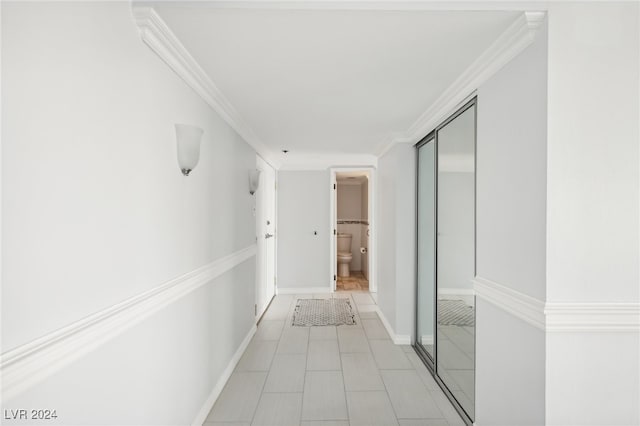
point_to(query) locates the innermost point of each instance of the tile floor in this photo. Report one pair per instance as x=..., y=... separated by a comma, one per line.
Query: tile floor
x=354, y=282
x=331, y=376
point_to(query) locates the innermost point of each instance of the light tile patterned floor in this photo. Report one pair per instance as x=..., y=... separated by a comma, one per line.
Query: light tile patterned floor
x=329, y=376
x=354, y=282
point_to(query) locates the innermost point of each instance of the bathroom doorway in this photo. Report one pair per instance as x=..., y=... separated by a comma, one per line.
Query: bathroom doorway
x=352, y=242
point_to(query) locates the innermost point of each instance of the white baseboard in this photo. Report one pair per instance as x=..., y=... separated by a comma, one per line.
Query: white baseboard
x=398, y=339
x=367, y=308
x=427, y=340
x=222, y=381
x=303, y=290
x=467, y=295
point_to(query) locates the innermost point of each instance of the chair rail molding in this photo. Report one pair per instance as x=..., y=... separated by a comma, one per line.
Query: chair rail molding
x=512, y=41
x=558, y=317
x=26, y=365
x=520, y=305
x=159, y=37
x=592, y=317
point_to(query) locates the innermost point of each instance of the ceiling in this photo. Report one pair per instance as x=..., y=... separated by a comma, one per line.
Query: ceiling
x=332, y=81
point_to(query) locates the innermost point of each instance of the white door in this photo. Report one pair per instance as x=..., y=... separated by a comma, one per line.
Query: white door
x=265, y=228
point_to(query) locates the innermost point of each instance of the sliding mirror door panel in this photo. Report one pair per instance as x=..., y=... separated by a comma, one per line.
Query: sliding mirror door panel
x=425, y=335
x=455, y=257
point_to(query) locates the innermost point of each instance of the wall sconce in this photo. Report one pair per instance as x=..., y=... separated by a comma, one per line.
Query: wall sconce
x=254, y=181
x=188, y=139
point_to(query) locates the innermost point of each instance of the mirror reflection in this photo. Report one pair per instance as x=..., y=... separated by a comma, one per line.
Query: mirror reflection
x=426, y=246
x=455, y=332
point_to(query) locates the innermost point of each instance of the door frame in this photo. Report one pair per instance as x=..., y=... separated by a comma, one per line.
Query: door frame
x=333, y=224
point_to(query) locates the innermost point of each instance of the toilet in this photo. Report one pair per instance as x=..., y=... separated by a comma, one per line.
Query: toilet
x=344, y=254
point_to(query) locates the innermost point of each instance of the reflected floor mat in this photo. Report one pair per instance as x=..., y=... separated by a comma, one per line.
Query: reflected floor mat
x=318, y=312
x=455, y=312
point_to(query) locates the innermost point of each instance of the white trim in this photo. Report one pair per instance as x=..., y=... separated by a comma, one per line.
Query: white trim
x=222, y=381
x=352, y=182
x=385, y=5
x=333, y=225
x=367, y=308
x=512, y=41
x=303, y=290
x=520, y=305
x=572, y=317
x=323, y=161
x=398, y=339
x=592, y=317
x=30, y=363
x=426, y=339
x=159, y=37
x=465, y=294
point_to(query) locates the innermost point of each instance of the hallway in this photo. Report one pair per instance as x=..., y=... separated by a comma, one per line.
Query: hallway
x=470, y=168
x=345, y=375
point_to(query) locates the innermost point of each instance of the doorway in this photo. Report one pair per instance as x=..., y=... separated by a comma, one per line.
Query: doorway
x=265, y=236
x=352, y=230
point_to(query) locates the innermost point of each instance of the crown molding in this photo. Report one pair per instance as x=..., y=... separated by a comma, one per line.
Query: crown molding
x=376, y=5
x=512, y=41
x=159, y=37
x=26, y=365
x=324, y=161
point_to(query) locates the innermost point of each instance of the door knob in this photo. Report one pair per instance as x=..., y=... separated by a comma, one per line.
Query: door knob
x=267, y=235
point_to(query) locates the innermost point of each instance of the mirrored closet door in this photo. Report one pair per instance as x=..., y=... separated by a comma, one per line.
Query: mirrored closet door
x=445, y=311
x=425, y=327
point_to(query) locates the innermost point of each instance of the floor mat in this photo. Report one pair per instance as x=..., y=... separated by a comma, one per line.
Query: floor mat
x=455, y=312
x=318, y=312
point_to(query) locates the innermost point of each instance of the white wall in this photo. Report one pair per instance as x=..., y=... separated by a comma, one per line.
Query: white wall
x=396, y=226
x=303, y=208
x=386, y=231
x=349, y=201
x=510, y=363
x=511, y=220
x=593, y=208
x=95, y=211
x=405, y=239
x=160, y=371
